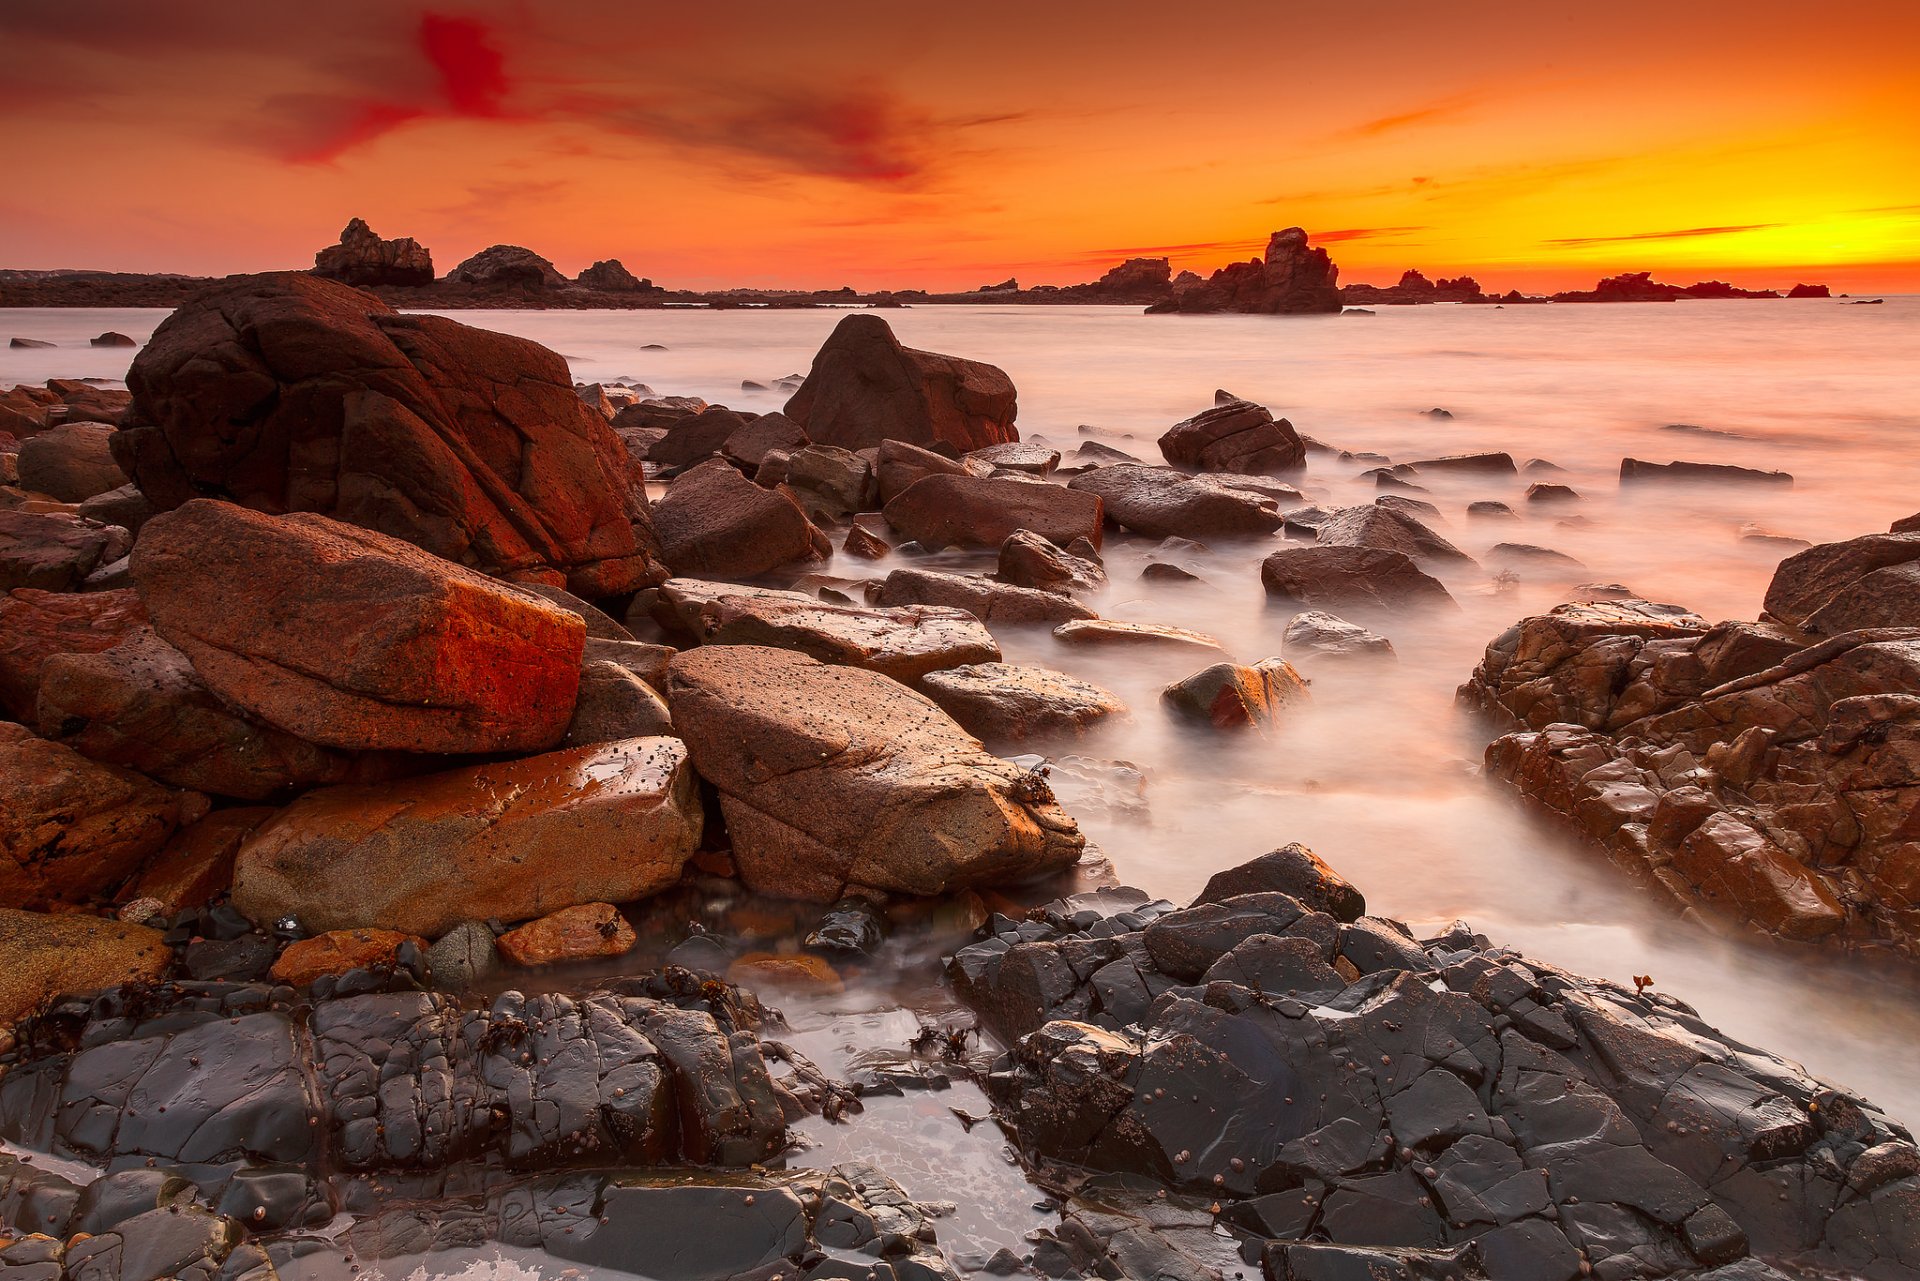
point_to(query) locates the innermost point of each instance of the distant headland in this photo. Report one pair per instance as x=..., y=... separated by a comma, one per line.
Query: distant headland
x=1292, y=277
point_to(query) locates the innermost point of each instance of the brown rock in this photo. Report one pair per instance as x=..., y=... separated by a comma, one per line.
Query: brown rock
x=904, y=643
x=350, y=639
x=1234, y=696
x=507, y=267
x=982, y=511
x=1238, y=436
x=615, y=703
x=749, y=446
x=714, y=521
x=1350, y=578
x=125, y=506
x=338, y=951
x=862, y=543
x=1390, y=529
x=697, y=437
x=71, y=462
x=833, y=778
x=1028, y=560
x=571, y=934
x=43, y=956
x=898, y=465
x=1003, y=702
x=986, y=600
x=286, y=393
x=1290, y=279
x=1636, y=471
x=70, y=830
x=514, y=839
x=363, y=259
x=197, y=863
x=610, y=275
x=865, y=388
x=142, y=706
x=1018, y=455
x=831, y=483
x=1160, y=502
x=35, y=625
x=1839, y=587
x=54, y=551
x=1108, y=634
x=799, y=972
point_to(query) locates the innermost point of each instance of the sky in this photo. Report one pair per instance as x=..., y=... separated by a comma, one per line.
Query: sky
x=902, y=144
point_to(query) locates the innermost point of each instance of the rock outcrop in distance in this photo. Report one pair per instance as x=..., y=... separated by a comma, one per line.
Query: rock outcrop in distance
x=1292, y=278
x=1759, y=773
x=508, y=267
x=362, y=258
x=1413, y=288
x=1640, y=286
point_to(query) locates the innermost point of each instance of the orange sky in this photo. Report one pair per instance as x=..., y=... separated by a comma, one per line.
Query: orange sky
x=900, y=144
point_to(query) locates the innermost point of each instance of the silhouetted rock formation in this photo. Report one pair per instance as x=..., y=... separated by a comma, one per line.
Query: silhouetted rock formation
x=610, y=275
x=1640, y=286
x=1414, y=287
x=362, y=258
x=1293, y=279
x=1809, y=291
x=507, y=267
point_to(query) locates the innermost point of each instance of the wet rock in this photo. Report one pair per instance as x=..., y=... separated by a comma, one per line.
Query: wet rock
x=1482, y=464
x=863, y=544
x=665, y=1229
x=1233, y=696
x=350, y=639
x=1293, y=870
x=1489, y=509
x=1324, y=637
x=514, y=839
x=1839, y=587
x=112, y=339
x=141, y=705
x=985, y=599
x=54, y=552
x=71, y=830
x=984, y=511
x=1105, y=633
x=1238, y=436
x=715, y=521
x=1390, y=529
x=286, y=393
x=1634, y=471
x=1526, y=558
x=1160, y=502
x=831, y=777
x=794, y=973
x=864, y=388
x=71, y=462
x=904, y=642
x=337, y=951
x=1544, y=492
x=1028, y=560
x=572, y=934
x=1004, y=702
x=44, y=956
x=1350, y=578
x=852, y=927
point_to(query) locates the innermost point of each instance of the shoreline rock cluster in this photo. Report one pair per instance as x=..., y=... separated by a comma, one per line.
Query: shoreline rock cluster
x=358, y=678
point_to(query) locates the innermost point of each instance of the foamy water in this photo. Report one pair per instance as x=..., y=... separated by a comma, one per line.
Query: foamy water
x=1378, y=774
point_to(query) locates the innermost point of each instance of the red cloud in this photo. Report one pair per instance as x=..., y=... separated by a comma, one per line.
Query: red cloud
x=473, y=71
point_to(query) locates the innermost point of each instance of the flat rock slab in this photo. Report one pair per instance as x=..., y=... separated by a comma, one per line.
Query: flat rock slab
x=832, y=777
x=985, y=599
x=1160, y=502
x=1105, y=633
x=513, y=839
x=1007, y=702
x=904, y=642
x=355, y=640
x=982, y=511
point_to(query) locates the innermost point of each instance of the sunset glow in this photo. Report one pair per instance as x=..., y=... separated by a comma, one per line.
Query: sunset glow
x=883, y=145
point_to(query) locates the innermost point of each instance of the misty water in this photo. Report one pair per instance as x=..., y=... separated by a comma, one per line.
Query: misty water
x=1379, y=773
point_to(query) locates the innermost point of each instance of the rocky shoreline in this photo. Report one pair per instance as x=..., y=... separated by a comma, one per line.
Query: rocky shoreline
x=411, y=828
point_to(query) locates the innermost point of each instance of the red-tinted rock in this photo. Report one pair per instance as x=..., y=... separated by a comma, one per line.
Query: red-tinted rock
x=865, y=387
x=715, y=522
x=1238, y=436
x=983, y=511
x=1161, y=502
x=351, y=639
x=197, y=864
x=1350, y=578
x=53, y=551
x=507, y=267
x=363, y=259
x=44, y=956
x=571, y=934
x=290, y=393
x=338, y=951
x=35, y=625
x=1008, y=703
x=1233, y=696
x=986, y=600
x=71, y=462
x=1837, y=587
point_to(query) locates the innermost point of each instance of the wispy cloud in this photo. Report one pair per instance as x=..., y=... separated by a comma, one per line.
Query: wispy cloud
x=1364, y=233
x=1447, y=108
x=1683, y=233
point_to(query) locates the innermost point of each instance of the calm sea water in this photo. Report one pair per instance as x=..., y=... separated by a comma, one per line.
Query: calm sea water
x=1379, y=774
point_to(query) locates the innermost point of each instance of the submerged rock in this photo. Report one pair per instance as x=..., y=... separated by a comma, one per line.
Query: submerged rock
x=1351, y=578
x=832, y=778
x=1233, y=696
x=1160, y=502
x=1029, y=560
x=985, y=599
x=1325, y=637
x=1238, y=436
x=1005, y=702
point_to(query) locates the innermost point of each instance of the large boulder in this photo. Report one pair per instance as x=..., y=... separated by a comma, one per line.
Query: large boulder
x=714, y=521
x=983, y=511
x=1837, y=587
x=511, y=839
x=363, y=259
x=507, y=267
x=985, y=599
x=141, y=705
x=905, y=642
x=355, y=640
x=1160, y=502
x=1290, y=279
x=72, y=831
x=53, y=551
x=865, y=387
x=1356, y=578
x=1238, y=436
x=696, y=437
x=1373, y=525
x=44, y=956
x=288, y=393
x=71, y=462
x=832, y=778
